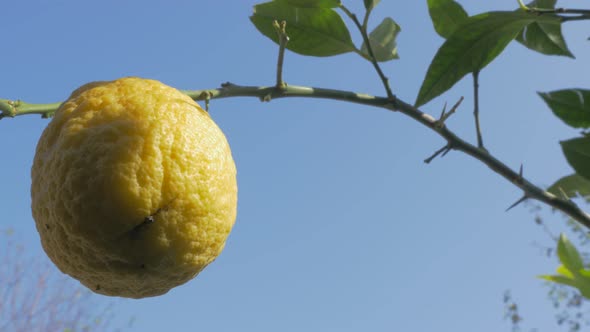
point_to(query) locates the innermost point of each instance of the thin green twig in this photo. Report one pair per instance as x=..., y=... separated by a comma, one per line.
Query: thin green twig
x=363, y=30
x=283, y=40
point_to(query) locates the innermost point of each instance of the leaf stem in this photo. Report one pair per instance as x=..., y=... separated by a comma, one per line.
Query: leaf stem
x=568, y=14
x=283, y=40
x=363, y=30
x=456, y=143
x=476, y=109
x=366, y=18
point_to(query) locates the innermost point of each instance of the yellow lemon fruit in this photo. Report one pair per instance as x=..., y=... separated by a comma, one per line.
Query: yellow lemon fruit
x=133, y=188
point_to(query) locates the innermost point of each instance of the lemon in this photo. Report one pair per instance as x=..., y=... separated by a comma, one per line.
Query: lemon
x=133, y=188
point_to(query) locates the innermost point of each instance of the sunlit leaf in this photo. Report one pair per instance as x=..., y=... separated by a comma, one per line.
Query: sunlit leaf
x=569, y=255
x=563, y=271
x=544, y=38
x=572, y=106
x=475, y=43
x=577, y=153
x=446, y=15
x=312, y=31
x=382, y=40
x=559, y=279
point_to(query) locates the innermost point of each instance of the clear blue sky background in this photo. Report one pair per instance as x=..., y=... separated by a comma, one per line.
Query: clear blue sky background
x=341, y=226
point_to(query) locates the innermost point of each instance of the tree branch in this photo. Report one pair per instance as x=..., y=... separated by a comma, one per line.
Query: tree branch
x=229, y=90
x=575, y=18
x=565, y=14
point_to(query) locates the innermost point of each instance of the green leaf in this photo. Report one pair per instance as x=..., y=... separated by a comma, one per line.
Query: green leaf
x=569, y=255
x=312, y=3
x=563, y=271
x=478, y=41
x=370, y=4
x=571, y=185
x=446, y=15
x=560, y=280
x=544, y=38
x=577, y=153
x=585, y=274
x=382, y=40
x=312, y=31
x=582, y=284
x=572, y=106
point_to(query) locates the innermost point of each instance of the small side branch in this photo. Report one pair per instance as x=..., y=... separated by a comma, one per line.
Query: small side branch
x=283, y=40
x=363, y=30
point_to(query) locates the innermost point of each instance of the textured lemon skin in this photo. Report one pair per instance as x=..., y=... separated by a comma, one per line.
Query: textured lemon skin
x=133, y=188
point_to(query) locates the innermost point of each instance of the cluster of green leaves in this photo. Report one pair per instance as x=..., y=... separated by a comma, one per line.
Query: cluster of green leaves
x=573, y=107
x=316, y=28
x=472, y=42
x=571, y=272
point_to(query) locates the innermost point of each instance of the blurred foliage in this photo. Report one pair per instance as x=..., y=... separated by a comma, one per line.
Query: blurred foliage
x=37, y=297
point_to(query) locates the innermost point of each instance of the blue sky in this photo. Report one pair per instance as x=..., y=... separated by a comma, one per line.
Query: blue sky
x=341, y=226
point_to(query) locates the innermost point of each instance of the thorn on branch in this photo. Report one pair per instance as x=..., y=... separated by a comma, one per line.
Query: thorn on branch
x=227, y=85
x=444, y=150
x=522, y=199
x=519, y=180
x=445, y=115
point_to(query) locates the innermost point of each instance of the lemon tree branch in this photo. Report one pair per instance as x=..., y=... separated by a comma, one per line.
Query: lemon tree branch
x=229, y=90
x=454, y=142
